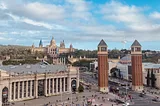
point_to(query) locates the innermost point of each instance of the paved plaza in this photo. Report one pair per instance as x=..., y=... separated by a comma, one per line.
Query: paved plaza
x=78, y=98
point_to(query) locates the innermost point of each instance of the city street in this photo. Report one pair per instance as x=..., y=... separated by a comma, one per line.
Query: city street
x=136, y=101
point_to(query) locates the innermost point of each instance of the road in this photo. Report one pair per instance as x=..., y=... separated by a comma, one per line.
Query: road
x=137, y=100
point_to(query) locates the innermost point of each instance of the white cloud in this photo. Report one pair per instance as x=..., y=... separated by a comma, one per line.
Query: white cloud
x=29, y=21
x=155, y=15
x=3, y=6
x=77, y=21
x=79, y=9
x=37, y=10
x=35, y=23
x=15, y=33
x=131, y=16
x=2, y=33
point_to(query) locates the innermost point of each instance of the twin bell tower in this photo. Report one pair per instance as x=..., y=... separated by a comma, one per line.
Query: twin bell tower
x=103, y=67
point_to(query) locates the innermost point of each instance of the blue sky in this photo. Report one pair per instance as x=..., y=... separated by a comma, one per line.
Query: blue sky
x=81, y=22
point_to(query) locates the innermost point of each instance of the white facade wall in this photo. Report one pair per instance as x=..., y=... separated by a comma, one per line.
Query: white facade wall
x=10, y=82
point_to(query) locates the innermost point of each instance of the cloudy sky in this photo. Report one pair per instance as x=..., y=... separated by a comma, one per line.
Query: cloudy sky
x=81, y=22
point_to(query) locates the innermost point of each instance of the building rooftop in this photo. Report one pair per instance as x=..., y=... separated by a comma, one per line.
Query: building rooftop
x=30, y=69
x=151, y=65
x=136, y=43
x=102, y=43
x=126, y=59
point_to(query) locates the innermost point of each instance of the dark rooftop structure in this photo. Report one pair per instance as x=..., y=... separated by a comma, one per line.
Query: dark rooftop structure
x=136, y=43
x=30, y=69
x=102, y=43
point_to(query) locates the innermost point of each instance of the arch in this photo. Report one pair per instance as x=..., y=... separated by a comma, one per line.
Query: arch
x=73, y=85
x=115, y=72
x=5, y=95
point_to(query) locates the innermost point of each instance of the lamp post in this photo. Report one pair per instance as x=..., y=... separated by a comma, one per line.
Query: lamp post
x=71, y=97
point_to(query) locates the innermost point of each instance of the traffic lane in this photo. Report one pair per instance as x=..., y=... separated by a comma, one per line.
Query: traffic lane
x=143, y=101
x=89, y=79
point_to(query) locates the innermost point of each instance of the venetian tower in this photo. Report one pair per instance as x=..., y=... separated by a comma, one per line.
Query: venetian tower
x=136, y=58
x=102, y=66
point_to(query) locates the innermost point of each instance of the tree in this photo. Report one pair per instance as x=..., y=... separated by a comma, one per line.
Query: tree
x=153, y=79
x=148, y=79
x=80, y=88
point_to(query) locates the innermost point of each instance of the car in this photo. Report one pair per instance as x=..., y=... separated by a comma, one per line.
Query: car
x=141, y=94
x=155, y=100
x=125, y=104
x=119, y=101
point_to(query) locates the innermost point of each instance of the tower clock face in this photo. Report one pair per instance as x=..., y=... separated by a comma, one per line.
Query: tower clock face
x=103, y=49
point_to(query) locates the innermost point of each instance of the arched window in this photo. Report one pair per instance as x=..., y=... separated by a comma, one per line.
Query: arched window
x=5, y=95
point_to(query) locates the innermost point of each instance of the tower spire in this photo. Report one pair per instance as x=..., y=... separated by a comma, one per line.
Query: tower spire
x=40, y=43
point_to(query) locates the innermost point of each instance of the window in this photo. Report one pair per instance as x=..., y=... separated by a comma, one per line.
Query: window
x=103, y=49
x=98, y=48
x=132, y=49
x=138, y=49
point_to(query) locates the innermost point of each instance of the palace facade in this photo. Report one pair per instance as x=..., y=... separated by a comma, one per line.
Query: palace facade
x=52, y=49
x=24, y=82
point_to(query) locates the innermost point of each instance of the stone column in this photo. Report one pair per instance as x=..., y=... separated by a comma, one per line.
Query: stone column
x=45, y=87
x=49, y=86
x=18, y=90
x=56, y=85
x=60, y=85
x=69, y=84
x=10, y=91
x=53, y=86
x=22, y=89
x=14, y=96
x=36, y=88
x=26, y=89
x=30, y=88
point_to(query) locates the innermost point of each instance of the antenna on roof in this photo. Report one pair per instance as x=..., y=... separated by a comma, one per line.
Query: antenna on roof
x=124, y=41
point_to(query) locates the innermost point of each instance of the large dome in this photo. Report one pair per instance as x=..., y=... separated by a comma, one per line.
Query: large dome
x=126, y=59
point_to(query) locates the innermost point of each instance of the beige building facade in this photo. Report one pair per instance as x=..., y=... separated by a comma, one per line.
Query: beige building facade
x=52, y=49
x=149, y=67
x=18, y=83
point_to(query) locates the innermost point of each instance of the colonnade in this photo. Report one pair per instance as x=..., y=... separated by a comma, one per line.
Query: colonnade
x=22, y=90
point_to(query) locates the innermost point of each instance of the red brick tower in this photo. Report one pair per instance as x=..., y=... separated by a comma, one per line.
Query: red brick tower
x=136, y=57
x=102, y=67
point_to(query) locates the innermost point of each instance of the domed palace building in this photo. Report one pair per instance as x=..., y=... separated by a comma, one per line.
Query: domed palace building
x=52, y=49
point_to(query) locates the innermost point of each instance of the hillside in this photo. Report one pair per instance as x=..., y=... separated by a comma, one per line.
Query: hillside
x=7, y=47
